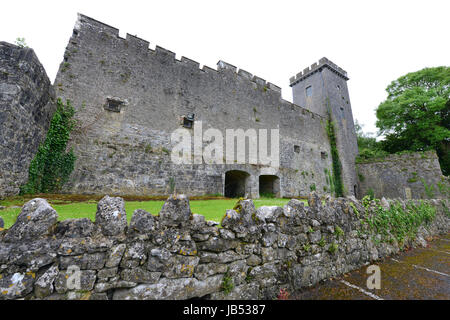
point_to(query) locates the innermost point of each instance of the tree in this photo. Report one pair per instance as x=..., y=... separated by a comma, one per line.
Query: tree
x=368, y=146
x=416, y=114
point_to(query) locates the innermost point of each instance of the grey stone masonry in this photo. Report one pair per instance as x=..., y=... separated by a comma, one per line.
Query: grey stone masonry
x=407, y=176
x=26, y=108
x=126, y=148
x=179, y=255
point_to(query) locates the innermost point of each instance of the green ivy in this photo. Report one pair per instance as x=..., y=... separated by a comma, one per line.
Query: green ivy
x=337, y=168
x=52, y=165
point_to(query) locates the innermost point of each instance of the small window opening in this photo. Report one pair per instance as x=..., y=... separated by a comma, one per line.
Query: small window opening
x=309, y=91
x=323, y=155
x=113, y=105
x=188, y=120
x=297, y=149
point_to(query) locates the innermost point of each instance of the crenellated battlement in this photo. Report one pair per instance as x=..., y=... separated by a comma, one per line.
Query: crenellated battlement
x=315, y=67
x=141, y=45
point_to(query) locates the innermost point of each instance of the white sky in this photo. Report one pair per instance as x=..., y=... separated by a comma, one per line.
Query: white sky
x=375, y=42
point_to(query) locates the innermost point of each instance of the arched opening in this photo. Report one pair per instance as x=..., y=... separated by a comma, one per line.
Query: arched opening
x=269, y=186
x=235, y=183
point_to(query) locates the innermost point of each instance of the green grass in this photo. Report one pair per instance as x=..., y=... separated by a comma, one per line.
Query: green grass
x=211, y=209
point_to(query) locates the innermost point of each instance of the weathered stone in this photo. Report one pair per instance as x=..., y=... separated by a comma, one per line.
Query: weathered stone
x=142, y=222
x=216, y=244
x=68, y=281
x=175, y=211
x=139, y=275
x=107, y=273
x=26, y=108
x=267, y=214
x=171, y=289
x=254, y=260
x=115, y=255
x=93, y=261
x=116, y=284
x=35, y=220
x=227, y=234
x=16, y=285
x=111, y=216
x=2, y=223
x=315, y=237
x=75, y=228
x=203, y=271
x=246, y=291
x=43, y=286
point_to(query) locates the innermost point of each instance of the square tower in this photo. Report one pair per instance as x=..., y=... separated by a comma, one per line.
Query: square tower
x=322, y=89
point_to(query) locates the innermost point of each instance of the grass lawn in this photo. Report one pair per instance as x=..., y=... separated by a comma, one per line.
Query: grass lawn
x=213, y=209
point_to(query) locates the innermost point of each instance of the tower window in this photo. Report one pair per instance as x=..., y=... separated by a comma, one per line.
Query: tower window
x=309, y=91
x=297, y=149
x=338, y=87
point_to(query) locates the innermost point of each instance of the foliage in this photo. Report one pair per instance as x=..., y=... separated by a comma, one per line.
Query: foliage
x=172, y=185
x=337, y=167
x=333, y=248
x=338, y=231
x=20, y=42
x=227, y=284
x=368, y=146
x=416, y=114
x=429, y=189
x=52, y=165
x=398, y=222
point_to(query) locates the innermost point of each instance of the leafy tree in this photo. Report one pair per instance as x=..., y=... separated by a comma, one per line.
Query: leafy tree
x=368, y=146
x=416, y=114
x=50, y=168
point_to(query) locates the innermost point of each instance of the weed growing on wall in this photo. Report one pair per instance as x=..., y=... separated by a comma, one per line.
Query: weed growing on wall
x=52, y=165
x=398, y=222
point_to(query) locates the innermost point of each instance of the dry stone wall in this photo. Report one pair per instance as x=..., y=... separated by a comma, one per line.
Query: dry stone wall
x=26, y=107
x=179, y=255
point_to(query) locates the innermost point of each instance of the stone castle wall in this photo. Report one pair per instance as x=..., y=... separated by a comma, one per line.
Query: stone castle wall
x=404, y=176
x=179, y=255
x=128, y=152
x=26, y=108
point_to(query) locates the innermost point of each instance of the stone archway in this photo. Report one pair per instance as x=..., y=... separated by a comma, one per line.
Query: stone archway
x=269, y=185
x=236, y=183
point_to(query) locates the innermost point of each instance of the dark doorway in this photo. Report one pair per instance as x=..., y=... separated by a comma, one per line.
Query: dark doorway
x=269, y=186
x=235, y=183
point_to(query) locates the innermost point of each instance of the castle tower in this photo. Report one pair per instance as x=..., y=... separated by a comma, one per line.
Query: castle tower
x=322, y=88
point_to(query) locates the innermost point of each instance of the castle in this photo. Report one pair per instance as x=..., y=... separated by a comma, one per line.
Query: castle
x=129, y=99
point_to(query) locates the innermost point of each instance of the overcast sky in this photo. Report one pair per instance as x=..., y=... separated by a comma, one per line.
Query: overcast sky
x=375, y=42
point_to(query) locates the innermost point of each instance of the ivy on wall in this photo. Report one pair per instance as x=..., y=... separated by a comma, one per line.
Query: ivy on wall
x=337, y=167
x=52, y=165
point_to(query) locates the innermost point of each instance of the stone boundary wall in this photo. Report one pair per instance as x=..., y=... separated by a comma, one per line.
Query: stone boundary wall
x=179, y=255
x=407, y=176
